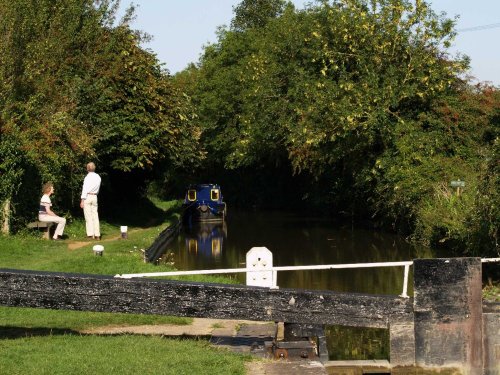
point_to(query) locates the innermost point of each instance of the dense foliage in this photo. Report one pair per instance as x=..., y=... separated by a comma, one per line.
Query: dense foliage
x=76, y=86
x=454, y=139
x=354, y=106
x=361, y=97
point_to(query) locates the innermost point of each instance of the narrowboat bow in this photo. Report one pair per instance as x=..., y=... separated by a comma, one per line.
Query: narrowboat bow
x=203, y=202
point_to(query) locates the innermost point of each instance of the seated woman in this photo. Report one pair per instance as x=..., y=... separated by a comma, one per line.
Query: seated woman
x=46, y=214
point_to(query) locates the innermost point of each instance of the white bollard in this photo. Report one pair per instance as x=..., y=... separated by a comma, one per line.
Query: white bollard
x=259, y=267
x=98, y=249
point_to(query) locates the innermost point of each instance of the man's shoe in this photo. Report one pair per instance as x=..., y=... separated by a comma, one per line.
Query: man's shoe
x=98, y=238
x=90, y=237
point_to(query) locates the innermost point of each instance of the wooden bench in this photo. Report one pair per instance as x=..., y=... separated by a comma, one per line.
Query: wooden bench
x=44, y=225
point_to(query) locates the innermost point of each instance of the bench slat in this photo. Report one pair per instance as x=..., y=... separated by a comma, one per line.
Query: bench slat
x=40, y=224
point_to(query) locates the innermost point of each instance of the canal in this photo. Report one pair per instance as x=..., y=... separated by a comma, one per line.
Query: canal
x=296, y=240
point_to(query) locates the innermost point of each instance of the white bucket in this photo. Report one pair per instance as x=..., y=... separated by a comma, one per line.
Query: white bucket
x=98, y=250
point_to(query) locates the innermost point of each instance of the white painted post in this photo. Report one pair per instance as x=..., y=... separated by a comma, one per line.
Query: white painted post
x=259, y=267
x=405, y=282
x=98, y=249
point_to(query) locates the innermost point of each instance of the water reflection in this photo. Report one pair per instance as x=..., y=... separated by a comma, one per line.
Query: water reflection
x=205, y=239
x=199, y=246
x=299, y=240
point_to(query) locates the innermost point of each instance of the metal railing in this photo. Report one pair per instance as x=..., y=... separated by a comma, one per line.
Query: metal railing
x=274, y=271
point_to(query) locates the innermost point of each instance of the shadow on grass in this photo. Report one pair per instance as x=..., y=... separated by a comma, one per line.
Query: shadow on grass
x=139, y=212
x=13, y=333
x=20, y=332
x=235, y=343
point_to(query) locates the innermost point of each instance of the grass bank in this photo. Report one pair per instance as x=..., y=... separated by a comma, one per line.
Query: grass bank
x=50, y=342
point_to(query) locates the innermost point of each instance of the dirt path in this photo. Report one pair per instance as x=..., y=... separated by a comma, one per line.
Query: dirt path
x=79, y=244
x=199, y=327
x=223, y=330
x=73, y=245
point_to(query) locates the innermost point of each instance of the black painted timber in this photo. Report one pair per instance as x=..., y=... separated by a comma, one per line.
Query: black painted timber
x=491, y=307
x=157, y=248
x=38, y=289
x=448, y=313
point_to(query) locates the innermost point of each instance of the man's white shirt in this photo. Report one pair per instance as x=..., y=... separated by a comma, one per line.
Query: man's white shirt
x=91, y=184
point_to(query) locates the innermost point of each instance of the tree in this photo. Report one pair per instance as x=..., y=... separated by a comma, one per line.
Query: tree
x=455, y=139
x=324, y=87
x=251, y=14
x=74, y=86
x=135, y=113
x=363, y=96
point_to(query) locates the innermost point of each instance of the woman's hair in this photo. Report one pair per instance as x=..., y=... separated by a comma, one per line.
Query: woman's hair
x=46, y=187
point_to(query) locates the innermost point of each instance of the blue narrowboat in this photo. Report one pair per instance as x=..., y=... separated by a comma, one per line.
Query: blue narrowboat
x=203, y=202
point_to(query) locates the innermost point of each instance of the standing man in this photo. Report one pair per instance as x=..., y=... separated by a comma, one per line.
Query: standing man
x=91, y=186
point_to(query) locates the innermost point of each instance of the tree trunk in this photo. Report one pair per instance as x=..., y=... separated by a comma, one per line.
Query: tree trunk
x=6, y=217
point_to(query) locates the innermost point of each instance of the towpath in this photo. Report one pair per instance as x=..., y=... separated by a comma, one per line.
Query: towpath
x=240, y=336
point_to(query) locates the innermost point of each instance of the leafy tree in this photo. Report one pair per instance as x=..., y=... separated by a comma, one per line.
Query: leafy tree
x=363, y=96
x=455, y=139
x=74, y=86
x=324, y=87
x=136, y=115
x=251, y=14
x=216, y=94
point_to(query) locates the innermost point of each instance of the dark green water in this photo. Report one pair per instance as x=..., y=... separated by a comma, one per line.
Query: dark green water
x=295, y=240
x=298, y=240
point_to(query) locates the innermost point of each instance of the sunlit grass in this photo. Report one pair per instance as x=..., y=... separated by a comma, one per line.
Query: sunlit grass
x=491, y=293
x=121, y=354
x=50, y=341
x=30, y=320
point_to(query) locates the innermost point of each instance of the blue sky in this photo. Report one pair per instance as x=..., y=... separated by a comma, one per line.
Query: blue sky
x=180, y=28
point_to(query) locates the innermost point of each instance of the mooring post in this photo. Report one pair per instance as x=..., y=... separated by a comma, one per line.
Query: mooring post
x=448, y=314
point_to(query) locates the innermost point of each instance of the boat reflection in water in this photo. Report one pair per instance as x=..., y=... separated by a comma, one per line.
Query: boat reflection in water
x=205, y=239
x=295, y=239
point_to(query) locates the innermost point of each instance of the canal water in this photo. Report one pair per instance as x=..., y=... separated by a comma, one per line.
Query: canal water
x=297, y=240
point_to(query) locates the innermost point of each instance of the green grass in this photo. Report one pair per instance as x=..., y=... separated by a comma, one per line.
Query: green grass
x=13, y=319
x=123, y=354
x=50, y=342
x=120, y=256
x=491, y=293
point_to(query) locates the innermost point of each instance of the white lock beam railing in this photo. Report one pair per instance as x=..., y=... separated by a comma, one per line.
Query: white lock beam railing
x=260, y=271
